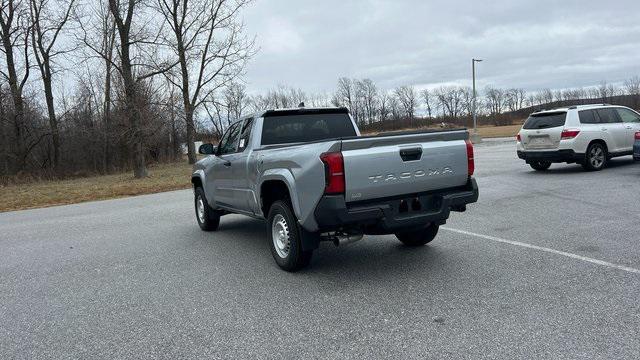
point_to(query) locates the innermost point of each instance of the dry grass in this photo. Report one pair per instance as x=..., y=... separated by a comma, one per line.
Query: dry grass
x=164, y=177
x=484, y=131
x=499, y=131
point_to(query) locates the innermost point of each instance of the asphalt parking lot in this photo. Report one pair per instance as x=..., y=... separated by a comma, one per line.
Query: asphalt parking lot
x=544, y=266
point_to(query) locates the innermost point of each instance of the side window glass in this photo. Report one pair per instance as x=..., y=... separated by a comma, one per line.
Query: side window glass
x=608, y=116
x=223, y=140
x=245, y=134
x=588, y=117
x=231, y=143
x=628, y=116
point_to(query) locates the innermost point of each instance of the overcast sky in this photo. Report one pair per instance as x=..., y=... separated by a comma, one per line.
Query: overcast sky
x=530, y=44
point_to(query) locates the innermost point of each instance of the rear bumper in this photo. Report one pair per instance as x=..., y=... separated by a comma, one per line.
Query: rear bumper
x=568, y=156
x=388, y=215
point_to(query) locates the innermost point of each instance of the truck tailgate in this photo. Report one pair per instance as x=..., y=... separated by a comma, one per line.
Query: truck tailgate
x=384, y=166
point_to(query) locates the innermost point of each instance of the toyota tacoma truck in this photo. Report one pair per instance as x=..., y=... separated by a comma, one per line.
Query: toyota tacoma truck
x=312, y=176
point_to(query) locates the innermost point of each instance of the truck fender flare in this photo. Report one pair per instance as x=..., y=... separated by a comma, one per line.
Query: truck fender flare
x=286, y=177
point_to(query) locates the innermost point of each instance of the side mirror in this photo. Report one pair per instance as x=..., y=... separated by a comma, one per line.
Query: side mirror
x=207, y=149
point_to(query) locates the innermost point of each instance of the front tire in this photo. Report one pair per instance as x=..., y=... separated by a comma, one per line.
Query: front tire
x=419, y=237
x=208, y=218
x=540, y=165
x=285, y=238
x=596, y=157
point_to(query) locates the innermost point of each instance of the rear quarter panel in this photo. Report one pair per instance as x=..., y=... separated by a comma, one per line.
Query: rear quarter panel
x=300, y=168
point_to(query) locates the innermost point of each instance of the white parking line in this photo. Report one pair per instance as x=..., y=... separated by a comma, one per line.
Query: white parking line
x=540, y=248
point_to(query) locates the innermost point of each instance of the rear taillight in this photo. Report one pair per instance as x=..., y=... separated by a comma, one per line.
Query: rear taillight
x=333, y=173
x=569, y=134
x=638, y=135
x=471, y=166
x=518, y=138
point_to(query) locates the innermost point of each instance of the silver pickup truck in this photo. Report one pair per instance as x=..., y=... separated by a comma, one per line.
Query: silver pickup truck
x=314, y=178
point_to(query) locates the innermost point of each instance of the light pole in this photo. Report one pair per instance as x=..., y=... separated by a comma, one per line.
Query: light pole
x=475, y=136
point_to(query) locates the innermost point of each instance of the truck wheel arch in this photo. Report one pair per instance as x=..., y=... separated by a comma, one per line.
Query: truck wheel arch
x=277, y=188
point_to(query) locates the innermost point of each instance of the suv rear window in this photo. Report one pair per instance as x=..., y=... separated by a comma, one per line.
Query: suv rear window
x=296, y=128
x=546, y=120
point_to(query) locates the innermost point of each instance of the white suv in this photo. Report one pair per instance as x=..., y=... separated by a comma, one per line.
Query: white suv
x=588, y=134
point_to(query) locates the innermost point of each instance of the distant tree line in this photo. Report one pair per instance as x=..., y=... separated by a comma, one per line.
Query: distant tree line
x=97, y=86
x=406, y=106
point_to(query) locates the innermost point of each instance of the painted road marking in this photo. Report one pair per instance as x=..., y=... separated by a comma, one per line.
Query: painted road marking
x=540, y=248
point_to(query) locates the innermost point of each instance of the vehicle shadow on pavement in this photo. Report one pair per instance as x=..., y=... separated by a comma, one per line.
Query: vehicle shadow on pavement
x=378, y=256
x=577, y=168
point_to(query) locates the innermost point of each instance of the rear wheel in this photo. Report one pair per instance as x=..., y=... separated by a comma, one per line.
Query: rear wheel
x=208, y=218
x=540, y=165
x=419, y=237
x=596, y=157
x=285, y=238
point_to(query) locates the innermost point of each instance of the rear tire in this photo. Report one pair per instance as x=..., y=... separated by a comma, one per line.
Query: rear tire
x=285, y=238
x=208, y=218
x=596, y=157
x=540, y=165
x=419, y=237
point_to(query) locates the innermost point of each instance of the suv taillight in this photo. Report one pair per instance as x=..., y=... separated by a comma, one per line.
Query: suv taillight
x=569, y=134
x=333, y=173
x=518, y=138
x=471, y=165
x=638, y=135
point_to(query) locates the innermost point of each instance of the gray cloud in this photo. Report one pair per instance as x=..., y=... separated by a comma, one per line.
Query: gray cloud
x=529, y=44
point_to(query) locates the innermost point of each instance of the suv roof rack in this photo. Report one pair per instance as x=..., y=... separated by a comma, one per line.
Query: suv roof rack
x=585, y=105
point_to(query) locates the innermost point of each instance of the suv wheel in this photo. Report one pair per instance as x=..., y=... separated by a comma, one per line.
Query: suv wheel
x=419, y=237
x=596, y=157
x=284, y=235
x=208, y=218
x=540, y=165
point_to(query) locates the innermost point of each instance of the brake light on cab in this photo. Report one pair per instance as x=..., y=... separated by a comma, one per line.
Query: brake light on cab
x=568, y=134
x=333, y=173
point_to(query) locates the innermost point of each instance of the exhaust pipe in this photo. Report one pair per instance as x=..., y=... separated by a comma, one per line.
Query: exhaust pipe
x=342, y=239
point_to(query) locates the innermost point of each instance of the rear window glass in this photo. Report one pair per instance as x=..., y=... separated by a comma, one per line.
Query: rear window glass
x=296, y=128
x=546, y=120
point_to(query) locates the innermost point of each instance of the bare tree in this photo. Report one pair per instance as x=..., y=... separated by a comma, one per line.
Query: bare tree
x=236, y=100
x=606, y=91
x=428, y=101
x=450, y=101
x=368, y=97
x=124, y=12
x=632, y=88
x=211, y=50
x=409, y=99
x=47, y=21
x=14, y=33
x=345, y=95
x=496, y=100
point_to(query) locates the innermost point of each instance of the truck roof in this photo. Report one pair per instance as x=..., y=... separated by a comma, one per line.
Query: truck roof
x=301, y=111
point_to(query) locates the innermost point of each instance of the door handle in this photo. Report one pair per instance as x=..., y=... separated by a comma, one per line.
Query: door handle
x=603, y=129
x=629, y=127
x=226, y=163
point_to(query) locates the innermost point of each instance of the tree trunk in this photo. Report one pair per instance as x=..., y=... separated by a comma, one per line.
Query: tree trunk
x=107, y=119
x=18, y=106
x=191, y=136
x=4, y=148
x=188, y=106
x=136, y=141
x=53, y=121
